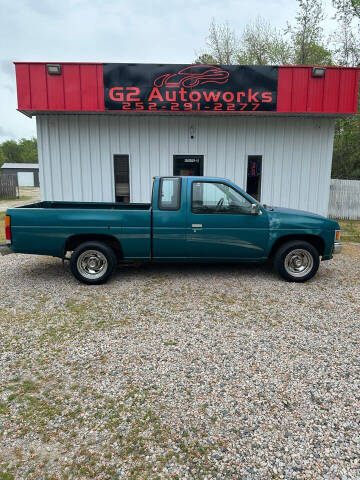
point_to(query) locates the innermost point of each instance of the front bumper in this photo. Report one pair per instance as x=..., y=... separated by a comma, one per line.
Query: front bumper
x=337, y=248
x=5, y=249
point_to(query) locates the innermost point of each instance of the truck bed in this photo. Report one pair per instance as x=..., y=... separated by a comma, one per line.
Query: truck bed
x=45, y=227
x=89, y=205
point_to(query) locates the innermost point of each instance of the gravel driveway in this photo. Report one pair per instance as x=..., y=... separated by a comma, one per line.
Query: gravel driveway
x=183, y=372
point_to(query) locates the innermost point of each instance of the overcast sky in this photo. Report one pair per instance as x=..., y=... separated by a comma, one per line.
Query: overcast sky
x=158, y=31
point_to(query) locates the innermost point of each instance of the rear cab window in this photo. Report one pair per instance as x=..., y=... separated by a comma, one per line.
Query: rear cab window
x=170, y=193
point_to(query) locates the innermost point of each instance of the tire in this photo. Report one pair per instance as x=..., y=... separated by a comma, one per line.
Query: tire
x=93, y=263
x=297, y=261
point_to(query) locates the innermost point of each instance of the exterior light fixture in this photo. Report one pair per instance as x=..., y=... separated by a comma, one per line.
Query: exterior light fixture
x=192, y=132
x=318, y=72
x=53, y=69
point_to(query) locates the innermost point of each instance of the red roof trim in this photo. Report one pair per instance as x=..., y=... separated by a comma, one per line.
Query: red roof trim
x=80, y=89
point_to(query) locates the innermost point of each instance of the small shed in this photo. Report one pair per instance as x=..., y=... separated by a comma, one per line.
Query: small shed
x=27, y=173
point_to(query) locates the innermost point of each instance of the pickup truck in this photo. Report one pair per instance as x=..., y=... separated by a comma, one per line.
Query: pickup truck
x=190, y=219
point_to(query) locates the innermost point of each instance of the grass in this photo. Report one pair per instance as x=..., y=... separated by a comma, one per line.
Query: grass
x=2, y=227
x=350, y=230
x=18, y=199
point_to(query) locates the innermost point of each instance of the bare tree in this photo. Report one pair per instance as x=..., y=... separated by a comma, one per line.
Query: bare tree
x=307, y=34
x=262, y=44
x=346, y=38
x=221, y=45
x=352, y=5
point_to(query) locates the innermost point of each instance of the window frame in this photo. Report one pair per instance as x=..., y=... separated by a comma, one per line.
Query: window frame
x=248, y=157
x=216, y=213
x=160, y=191
x=184, y=157
x=114, y=155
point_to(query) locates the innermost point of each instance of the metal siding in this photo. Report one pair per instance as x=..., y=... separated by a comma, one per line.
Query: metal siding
x=23, y=86
x=348, y=84
x=299, y=91
x=332, y=84
x=284, y=89
x=38, y=87
x=316, y=95
x=72, y=87
x=344, y=199
x=56, y=97
x=76, y=154
x=75, y=158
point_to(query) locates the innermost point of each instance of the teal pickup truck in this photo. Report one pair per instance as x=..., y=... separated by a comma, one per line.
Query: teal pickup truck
x=190, y=219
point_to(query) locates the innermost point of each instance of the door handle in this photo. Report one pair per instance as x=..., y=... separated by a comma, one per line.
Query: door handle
x=196, y=225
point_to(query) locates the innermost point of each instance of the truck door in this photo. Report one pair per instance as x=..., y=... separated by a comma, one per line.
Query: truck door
x=169, y=218
x=221, y=225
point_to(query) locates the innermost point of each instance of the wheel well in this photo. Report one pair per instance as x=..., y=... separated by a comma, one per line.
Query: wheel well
x=316, y=241
x=73, y=242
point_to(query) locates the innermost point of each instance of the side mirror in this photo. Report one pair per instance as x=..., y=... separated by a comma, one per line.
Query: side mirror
x=255, y=209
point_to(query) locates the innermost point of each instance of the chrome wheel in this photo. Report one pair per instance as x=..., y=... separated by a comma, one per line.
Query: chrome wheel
x=298, y=262
x=92, y=264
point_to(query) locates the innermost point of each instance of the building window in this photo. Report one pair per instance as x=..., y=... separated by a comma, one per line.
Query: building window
x=169, y=194
x=253, y=184
x=188, y=165
x=121, y=175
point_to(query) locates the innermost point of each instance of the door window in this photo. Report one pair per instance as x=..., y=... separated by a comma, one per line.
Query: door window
x=213, y=197
x=121, y=174
x=185, y=165
x=253, y=184
x=169, y=194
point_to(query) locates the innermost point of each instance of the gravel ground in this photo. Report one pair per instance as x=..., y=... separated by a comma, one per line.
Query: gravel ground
x=184, y=372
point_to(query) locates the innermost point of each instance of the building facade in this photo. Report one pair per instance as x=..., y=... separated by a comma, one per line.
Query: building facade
x=105, y=130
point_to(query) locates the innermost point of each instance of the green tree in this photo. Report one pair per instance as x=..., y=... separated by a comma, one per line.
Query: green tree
x=205, y=59
x=346, y=157
x=23, y=151
x=28, y=149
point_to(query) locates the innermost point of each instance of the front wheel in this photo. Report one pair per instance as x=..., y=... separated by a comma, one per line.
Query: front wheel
x=297, y=261
x=93, y=263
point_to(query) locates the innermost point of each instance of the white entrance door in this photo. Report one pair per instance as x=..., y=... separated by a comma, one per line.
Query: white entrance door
x=26, y=179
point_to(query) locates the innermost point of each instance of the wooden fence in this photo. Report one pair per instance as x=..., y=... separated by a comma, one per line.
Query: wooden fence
x=344, y=200
x=8, y=186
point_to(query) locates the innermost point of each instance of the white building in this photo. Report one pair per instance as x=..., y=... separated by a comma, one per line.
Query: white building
x=105, y=130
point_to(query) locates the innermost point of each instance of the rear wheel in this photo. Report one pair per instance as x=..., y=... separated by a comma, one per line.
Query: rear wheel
x=297, y=261
x=93, y=263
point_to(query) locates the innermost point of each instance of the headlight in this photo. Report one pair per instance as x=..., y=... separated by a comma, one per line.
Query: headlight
x=337, y=235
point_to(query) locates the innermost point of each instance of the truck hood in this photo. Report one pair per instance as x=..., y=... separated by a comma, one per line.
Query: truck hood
x=280, y=217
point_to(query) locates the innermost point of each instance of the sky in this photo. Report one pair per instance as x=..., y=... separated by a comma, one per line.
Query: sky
x=154, y=31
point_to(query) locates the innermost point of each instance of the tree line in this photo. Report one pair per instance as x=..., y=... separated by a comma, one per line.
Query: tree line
x=22, y=151
x=301, y=42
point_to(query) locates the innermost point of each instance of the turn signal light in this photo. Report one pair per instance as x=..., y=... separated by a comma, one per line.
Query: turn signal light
x=337, y=235
x=7, y=229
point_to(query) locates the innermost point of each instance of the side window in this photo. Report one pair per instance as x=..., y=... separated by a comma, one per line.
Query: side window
x=121, y=175
x=219, y=198
x=169, y=194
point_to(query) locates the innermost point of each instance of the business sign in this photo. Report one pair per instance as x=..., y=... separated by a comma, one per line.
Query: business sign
x=190, y=88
